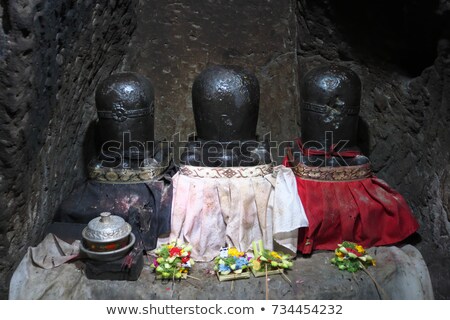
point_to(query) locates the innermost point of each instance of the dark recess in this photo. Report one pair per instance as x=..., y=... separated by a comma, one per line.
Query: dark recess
x=404, y=33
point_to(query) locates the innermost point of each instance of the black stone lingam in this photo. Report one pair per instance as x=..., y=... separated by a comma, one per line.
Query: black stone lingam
x=360, y=208
x=125, y=131
x=127, y=177
x=125, y=128
x=329, y=110
x=225, y=100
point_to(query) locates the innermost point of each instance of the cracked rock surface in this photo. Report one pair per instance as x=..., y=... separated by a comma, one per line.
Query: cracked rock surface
x=52, y=55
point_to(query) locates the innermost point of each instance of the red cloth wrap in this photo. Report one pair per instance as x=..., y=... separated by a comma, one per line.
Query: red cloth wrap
x=366, y=211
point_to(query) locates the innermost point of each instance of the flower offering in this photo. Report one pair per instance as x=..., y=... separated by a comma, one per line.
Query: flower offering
x=269, y=260
x=231, y=260
x=173, y=260
x=351, y=257
x=232, y=264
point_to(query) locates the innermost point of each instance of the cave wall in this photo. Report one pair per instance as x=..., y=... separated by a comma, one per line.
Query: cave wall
x=401, y=51
x=52, y=55
x=175, y=40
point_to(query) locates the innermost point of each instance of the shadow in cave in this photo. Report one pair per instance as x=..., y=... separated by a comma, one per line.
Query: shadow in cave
x=404, y=32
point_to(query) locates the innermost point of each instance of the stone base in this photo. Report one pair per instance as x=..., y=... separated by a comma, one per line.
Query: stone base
x=115, y=270
x=400, y=272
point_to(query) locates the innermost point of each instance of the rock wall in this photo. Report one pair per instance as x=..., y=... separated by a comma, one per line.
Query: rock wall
x=175, y=40
x=52, y=55
x=401, y=50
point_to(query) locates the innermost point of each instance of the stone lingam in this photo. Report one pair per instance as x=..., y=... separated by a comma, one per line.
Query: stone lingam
x=225, y=100
x=227, y=191
x=128, y=176
x=342, y=198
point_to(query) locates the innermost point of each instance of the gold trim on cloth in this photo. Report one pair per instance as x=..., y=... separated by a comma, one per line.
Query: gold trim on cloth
x=226, y=172
x=121, y=175
x=344, y=173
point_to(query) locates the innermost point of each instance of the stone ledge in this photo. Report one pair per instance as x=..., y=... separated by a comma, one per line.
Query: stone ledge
x=401, y=272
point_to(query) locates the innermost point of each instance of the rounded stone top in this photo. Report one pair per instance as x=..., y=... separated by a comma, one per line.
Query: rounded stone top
x=225, y=99
x=125, y=109
x=331, y=85
x=330, y=99
x=122, y=92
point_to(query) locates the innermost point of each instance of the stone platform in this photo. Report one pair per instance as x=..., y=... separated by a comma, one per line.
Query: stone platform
x=400, y=272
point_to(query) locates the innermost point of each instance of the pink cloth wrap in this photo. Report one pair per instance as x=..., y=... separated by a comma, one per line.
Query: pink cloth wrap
x=214, y=207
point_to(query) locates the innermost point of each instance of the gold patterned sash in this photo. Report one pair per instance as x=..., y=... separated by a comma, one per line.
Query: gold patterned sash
x=226, y=172
x=121, y=175
x=344, y=173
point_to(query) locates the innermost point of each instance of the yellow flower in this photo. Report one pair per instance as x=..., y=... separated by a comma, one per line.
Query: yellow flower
x=339, y=254
x=275, y=255
x=233, y=252
x=256, y=265
x=360, y=248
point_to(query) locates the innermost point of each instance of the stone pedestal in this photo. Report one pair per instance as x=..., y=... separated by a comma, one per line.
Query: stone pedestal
x=401, y=273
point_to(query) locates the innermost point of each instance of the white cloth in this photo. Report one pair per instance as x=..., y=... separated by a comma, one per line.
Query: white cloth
x=235, y=207
x=53, y=252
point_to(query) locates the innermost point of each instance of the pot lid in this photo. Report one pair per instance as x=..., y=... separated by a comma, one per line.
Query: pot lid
x=106, y=228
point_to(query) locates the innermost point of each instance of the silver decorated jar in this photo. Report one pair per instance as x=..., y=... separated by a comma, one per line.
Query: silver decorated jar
x=106, y=233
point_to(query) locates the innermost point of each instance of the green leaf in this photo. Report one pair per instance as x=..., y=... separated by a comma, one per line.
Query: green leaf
x=352, y=255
